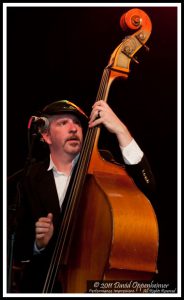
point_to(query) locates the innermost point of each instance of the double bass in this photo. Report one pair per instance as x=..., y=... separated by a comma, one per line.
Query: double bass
x=109, y=229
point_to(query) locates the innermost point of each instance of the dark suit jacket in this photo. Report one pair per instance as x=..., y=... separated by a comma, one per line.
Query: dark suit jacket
x=37, y=197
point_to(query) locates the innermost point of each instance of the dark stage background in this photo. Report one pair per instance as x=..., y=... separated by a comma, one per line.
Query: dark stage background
x=60, y=53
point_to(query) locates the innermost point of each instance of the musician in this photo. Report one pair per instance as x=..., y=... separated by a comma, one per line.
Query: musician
x=43, y=188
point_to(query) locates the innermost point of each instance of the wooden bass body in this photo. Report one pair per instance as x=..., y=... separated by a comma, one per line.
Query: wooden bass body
x=116, y=233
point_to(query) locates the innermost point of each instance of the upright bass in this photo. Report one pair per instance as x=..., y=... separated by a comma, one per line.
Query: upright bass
x=109, y=230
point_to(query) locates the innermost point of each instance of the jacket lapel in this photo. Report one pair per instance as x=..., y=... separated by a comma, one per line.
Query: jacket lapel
x=47, y=192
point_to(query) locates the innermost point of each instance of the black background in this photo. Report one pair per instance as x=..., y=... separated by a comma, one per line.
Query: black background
x=60, y=53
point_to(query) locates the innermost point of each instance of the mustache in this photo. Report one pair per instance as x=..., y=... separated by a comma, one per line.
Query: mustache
x=73, y=138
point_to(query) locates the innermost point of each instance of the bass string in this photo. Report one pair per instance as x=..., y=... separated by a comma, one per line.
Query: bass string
x=86, y=152
x=64, y=228
x=74, y=191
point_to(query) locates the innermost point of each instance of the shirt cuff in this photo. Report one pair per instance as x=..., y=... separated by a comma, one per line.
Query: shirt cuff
x=36, y=250
x=132, y=154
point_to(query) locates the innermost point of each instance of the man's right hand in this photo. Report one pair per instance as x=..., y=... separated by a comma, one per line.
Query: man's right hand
x=44, y=230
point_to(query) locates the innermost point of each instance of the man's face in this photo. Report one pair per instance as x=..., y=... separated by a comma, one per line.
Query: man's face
x=64, y=135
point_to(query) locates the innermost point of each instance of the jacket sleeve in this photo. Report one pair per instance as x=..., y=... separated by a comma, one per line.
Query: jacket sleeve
x=24, y=231
x=143, y=177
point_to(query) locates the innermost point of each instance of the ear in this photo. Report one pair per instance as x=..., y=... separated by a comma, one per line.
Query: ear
x=46, y=137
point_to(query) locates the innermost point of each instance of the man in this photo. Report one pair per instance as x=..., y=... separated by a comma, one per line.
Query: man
x=43, y=188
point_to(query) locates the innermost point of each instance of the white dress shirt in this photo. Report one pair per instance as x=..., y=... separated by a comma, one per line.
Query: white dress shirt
x=61, y=179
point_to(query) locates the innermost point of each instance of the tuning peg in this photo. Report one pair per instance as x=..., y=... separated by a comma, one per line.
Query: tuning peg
x=146, y=47
x=141, y=37
x=135, y=60
x=127, y=50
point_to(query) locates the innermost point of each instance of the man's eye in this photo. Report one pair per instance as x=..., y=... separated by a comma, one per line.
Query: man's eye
x=77, y=122
x=61, y=123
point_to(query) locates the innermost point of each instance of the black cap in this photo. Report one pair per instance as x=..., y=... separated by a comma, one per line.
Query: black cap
x=64, y=106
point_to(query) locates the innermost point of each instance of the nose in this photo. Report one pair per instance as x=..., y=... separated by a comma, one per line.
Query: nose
x=72, y=127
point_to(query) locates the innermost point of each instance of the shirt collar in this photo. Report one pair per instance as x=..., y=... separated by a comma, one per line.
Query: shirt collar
x=53, y=167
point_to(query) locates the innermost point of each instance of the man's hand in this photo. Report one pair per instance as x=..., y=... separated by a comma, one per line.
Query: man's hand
x=102, y=114
x=44, y=230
